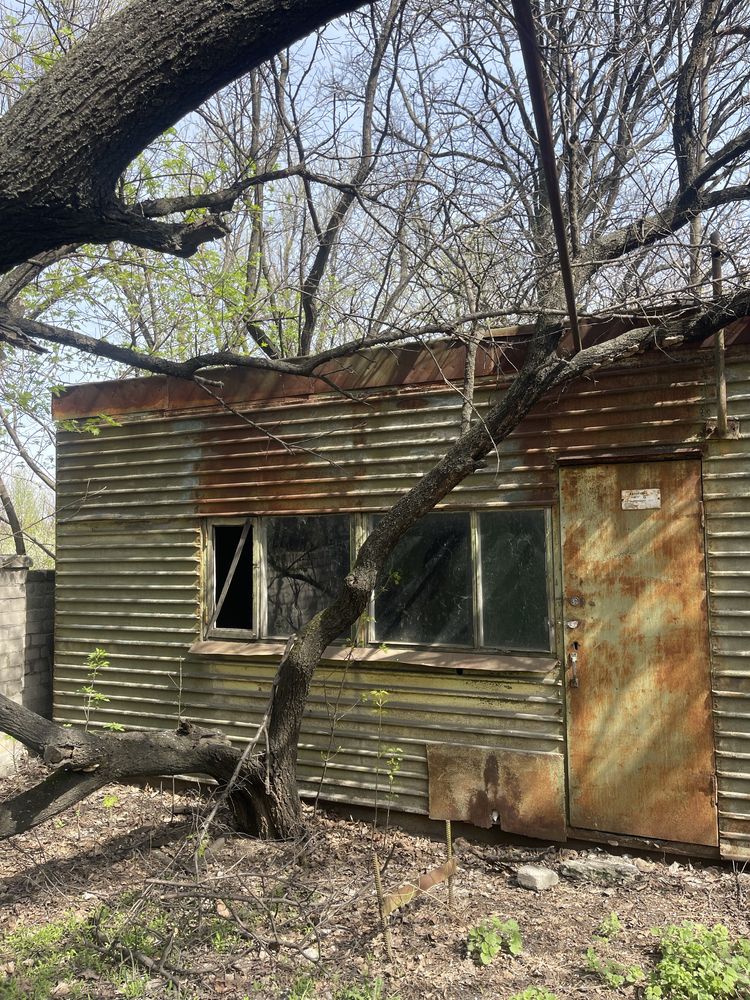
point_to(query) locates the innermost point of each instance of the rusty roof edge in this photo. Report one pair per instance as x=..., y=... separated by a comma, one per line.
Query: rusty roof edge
x=413, y=366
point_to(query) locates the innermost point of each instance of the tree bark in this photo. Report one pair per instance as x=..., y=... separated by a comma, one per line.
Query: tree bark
x=83, y=762
x=12, y=519
x=65, y=143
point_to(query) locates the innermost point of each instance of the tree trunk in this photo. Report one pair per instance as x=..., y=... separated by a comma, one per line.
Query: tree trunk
x=67, y=140
x=12, y=519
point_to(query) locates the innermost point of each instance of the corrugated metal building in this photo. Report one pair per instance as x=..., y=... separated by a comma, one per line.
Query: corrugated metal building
x=584, y=596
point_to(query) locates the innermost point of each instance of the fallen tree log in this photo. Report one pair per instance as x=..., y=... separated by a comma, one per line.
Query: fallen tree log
x=83, y=761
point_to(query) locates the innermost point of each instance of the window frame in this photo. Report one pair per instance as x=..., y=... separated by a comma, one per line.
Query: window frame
x=210, y=588
x=475, y=548
x=258, y=527
x=363, y=632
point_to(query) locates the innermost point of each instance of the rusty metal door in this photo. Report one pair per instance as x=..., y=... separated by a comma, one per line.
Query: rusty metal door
x=640, y=737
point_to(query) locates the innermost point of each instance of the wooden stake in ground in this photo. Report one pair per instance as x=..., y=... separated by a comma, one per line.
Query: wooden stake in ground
x=449, y=846
x=381, y=907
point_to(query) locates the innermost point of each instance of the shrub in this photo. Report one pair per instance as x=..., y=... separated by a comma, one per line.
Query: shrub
x=698, y=963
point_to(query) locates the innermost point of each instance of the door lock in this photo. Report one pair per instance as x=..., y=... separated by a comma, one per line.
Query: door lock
x=573, y=661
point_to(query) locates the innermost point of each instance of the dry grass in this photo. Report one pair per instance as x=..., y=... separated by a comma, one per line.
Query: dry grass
x=126, y=881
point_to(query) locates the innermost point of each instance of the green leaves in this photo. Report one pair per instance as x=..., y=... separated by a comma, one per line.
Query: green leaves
x=612, y=972
x=97, y=660
x=91, y=425
x=488, y=939
x=697, y=963
x=610, y=927
x=700, y=963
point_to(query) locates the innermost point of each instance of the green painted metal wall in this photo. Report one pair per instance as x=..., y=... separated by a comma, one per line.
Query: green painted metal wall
x=132, y=502
x=726, y=492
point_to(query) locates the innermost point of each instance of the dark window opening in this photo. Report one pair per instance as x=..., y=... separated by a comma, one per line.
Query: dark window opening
x=236, y=610
x=425, y=594
x=514, y=579
x=307, y=559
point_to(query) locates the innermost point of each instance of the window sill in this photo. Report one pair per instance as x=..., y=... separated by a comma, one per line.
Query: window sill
x=430, y=659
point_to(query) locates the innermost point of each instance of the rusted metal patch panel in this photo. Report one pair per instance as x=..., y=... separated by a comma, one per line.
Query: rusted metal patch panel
x=129, y=567
x=521, y=792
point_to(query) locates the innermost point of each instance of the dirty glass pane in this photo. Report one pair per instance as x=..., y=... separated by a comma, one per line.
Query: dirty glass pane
x=514, y=579
x=425, y=591
x=237, y=610
x=306, y=560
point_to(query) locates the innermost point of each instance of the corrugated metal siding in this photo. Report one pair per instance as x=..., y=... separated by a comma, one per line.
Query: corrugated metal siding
x=129, y=564
x=726, y=494
x=163, y=468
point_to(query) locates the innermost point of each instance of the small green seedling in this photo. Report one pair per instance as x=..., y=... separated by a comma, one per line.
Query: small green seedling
x=615, y=974
x=533, y=993
x=303, y=988
x=609, y=928
x=96, y=660
x=488, y=939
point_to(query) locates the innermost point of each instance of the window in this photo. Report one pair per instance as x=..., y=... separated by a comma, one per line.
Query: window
x=233, y=587
x=306, y=561
x=267, y=576
x=513, y=560
x=465, y=580
x=425, y=594
x=474, y=580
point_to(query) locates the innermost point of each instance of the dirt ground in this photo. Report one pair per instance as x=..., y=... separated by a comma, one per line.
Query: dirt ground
x=219, y=915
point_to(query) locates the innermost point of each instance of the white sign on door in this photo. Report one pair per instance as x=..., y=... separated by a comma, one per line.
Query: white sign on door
x=641, y=499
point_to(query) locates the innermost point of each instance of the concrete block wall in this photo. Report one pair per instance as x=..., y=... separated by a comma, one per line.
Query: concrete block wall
x=26, y=641
x=38, y=654
x=13, y=573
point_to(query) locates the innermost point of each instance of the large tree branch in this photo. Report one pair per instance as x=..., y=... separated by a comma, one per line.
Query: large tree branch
x=223, y=199
x=12, y=518
x=686, y=129
x=13, y=283
x=23, y=333
x=650, y=229
x=65, y=142
x=85, y=761
x=52, y=796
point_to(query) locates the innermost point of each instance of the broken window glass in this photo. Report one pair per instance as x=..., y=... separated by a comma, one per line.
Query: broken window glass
x=233, y=563
x=307, y=559
x=425, y=594
x=514, y=579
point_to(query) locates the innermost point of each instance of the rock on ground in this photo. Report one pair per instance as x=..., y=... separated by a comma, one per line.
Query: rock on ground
x=537, y=878
x=603, y=870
